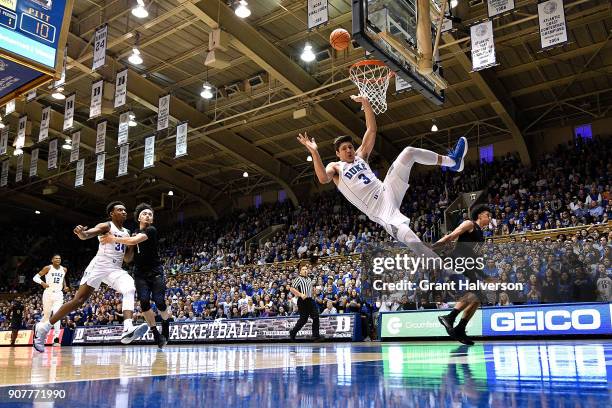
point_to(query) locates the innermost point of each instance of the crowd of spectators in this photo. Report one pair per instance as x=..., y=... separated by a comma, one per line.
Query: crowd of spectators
x=213, y=272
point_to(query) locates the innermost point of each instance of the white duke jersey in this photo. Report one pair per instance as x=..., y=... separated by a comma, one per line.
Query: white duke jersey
x=55, y=278
x=358, y=183
x=112, y=253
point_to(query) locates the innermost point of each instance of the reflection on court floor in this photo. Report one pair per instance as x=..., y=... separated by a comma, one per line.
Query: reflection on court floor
x=530, y=374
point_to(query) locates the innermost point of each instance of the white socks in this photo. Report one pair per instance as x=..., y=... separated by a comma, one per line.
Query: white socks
x=411, y=155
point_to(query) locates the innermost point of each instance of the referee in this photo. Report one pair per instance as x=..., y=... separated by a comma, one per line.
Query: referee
x=301, y=287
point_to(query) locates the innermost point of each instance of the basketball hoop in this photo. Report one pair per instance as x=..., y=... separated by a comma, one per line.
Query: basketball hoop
x=372, y=78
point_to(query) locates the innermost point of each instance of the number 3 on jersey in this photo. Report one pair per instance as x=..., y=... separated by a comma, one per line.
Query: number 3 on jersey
x=364, y=178
x=120, y=247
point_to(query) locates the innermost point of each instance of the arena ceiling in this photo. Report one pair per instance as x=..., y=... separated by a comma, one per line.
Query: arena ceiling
x=252, y=129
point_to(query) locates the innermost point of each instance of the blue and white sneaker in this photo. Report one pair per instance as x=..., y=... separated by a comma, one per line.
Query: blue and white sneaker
x=41, y=330
x=458, y=153
x=134, y=333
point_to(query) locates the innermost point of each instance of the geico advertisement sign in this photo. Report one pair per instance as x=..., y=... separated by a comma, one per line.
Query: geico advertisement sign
x=423, y=324
x=547, y=320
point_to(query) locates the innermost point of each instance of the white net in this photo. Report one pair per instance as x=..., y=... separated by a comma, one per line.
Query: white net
x=372, y=78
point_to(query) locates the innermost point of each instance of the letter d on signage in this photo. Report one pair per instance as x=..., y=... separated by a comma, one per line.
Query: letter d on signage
x=344, y=324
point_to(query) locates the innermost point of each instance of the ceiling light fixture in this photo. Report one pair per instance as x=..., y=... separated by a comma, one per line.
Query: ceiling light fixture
x=135, y=58
x=245, y=174
x=67, y=145
x=308, y=55
x=243, y=10
x=58, y=94
x=139, y=10
x=206, y=91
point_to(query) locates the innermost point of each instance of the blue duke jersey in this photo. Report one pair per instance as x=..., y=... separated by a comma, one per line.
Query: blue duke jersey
x=112, y=253
x=358, y=183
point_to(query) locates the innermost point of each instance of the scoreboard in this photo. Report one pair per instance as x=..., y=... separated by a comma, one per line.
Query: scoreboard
x=33, y=36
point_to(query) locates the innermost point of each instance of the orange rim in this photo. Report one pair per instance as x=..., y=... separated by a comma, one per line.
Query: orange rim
x=374, y=62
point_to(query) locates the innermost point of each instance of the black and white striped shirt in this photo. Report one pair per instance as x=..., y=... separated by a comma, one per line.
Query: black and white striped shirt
x=304, y=285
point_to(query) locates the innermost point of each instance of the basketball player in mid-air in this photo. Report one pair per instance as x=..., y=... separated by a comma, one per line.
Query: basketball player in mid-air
x=379, y=200
x=105, y=267
x=468, y=237
x=53, y=298
x=148, y=271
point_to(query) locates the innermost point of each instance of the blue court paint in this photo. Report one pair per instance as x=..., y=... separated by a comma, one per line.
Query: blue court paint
x=491, y=374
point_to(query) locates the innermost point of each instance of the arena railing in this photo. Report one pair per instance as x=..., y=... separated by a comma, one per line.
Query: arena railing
x=553, y=233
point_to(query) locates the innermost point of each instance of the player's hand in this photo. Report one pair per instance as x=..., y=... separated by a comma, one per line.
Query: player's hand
x=306, y=141
x=45, y=285
x=79, y=230
x=360, y=99
x=107, y=239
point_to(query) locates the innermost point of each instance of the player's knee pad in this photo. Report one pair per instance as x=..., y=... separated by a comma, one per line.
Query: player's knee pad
x=160, y=302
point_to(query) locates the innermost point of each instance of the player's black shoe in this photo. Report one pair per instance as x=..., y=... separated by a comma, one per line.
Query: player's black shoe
x=159, y=339
x=448, y=324
x=460, y=335
x=166, y=329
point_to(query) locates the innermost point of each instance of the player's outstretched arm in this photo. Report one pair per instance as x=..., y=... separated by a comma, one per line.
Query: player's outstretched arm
x=324, y=174
x=465, y=226
x=369, y=138
x=136, y=239
x=86, y=233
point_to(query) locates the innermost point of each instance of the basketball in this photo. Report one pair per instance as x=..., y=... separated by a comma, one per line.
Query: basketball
x=340, y=39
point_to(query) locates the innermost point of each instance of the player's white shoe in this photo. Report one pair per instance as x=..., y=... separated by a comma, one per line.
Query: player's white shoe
x=41, y=330
x=134, y=333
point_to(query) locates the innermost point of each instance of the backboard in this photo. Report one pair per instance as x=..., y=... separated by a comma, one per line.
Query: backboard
x=387, y=29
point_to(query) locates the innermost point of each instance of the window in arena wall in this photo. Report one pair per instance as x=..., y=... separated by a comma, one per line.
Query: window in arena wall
x=583, y=132
x=257, y=201
x=282, y=196
x=486, y=154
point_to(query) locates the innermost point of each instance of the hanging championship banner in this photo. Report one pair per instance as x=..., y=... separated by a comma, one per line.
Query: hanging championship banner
x=483, y=47
x=52, y=160
x=149, y=152
x=19, y=172
x=62, y=79
x=80, y=172
x=10, y=107
x=317, y=13
x=101, y=137
x=121, y=88
x=76, y=141
x=4, y=133
x=34, y=163
x=163, y=112
x=31, y=95
x=4, y=177
x=99, y=56
x=181, y=140
x=21, y=132
x=100, y=160
x=95, y=106
x=45, y=117
x=553, y=28
x=123, y=160
x=122, y=137
x=69, y=112
x=496, y=7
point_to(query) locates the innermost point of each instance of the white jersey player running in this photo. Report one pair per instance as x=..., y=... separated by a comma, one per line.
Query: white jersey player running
x=379, y=200
x=54, y=282
x=105, y=267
